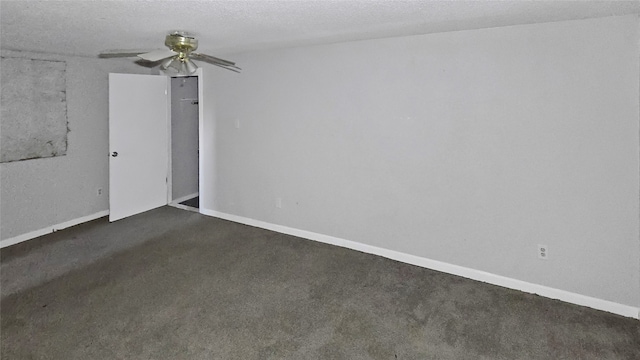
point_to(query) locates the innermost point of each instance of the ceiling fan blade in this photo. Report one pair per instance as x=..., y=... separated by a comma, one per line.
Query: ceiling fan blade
x=213, y=60
x=157, y=55
x=232, y=68
x=122, y=53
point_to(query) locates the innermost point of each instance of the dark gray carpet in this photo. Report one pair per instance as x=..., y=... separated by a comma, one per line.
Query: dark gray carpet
x=195, y=287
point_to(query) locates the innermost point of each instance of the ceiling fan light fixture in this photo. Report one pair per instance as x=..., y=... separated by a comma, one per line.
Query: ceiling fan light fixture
x=166, y=63
x=183, y=69
x=190, y=66
x=176, y=65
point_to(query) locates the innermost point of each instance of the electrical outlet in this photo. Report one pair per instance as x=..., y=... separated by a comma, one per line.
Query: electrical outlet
x=543, y=252
x=99, y=191
x=279, y=203
x=237, y=123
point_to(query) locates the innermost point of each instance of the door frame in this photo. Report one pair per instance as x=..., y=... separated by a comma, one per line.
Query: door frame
x=169, y=135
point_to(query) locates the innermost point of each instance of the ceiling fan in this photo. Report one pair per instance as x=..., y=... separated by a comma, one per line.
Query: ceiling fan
x=177, y=60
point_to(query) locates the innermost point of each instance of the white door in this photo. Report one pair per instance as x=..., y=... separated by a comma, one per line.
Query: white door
x=138, y=143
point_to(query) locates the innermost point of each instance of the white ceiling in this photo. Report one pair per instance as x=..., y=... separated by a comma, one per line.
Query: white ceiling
x=87, y=27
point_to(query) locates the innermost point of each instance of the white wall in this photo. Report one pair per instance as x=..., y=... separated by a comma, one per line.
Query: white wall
x=467, y=147
x=36, y=194
x=184, y=137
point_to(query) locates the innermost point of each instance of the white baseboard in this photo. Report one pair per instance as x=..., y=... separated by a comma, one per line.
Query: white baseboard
x=52, y=228
x=184, y=198
x=578, y=299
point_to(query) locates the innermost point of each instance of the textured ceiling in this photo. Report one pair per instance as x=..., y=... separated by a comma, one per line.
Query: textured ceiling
x=88, y=27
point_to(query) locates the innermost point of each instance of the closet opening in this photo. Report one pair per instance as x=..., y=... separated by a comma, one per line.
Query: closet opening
x=184, y=184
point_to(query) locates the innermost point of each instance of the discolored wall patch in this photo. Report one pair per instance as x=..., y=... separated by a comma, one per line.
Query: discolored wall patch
x=33, y=108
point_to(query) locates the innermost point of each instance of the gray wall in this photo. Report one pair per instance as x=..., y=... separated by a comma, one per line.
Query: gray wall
x=39, y=193
x=184, y=137
x=467, y=147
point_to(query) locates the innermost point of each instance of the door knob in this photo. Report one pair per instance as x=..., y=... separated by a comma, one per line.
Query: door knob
x=114, y=154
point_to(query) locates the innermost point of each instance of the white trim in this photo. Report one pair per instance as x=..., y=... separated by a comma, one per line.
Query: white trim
x=169, y=141
x=578, y=299
x=201, y=140
x=184, y=207
x=181, y=199
x=52, y=228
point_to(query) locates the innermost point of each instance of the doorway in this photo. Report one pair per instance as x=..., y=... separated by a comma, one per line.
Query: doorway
x=184, y=185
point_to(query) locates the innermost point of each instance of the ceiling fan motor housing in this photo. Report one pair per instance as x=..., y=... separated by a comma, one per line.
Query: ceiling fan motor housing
x=181, y=43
